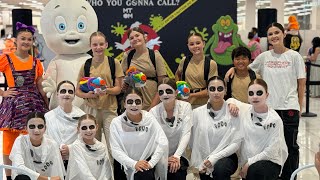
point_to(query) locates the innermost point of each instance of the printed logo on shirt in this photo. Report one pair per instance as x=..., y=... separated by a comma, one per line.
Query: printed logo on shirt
x=220, y=124
x=269, y=126
x=295, y=43
x=100, y=162
x=179, y=121
x=46, y=166
x=278, y=64
x=142, y=128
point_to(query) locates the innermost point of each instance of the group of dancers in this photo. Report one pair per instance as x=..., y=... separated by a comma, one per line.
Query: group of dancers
x=149, y=139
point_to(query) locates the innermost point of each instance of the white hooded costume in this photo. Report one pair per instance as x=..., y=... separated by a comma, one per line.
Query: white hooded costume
x=214, y=139
x=66, y=27
x=88, y=162
x=179, y=134
x=61, y=126
x=263, y=136
x=42, y=160
x=131, y=143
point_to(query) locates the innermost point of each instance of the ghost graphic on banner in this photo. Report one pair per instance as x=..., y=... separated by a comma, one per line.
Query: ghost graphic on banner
x=66, y=27
x=153, y=41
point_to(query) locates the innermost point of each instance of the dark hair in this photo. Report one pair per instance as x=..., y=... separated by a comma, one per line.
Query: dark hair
x=315, y=43
x=250, y=35
x=98, y=33
x=170, y=82
x=23, y=30
x=275, y=24
x=195, y=34
x=261, y=82
x=132, y=90
x=85, y=117
x=254, y=30
x=270, y=46
x=216, y=78
x=241, y=51
x=36, y=115
x=137, y=29
x=65, y=81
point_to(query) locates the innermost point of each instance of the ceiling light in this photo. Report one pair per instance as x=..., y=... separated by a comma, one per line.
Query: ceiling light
x=289, y=3
x=303, y=14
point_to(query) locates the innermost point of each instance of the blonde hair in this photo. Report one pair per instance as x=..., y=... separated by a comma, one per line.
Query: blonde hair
x=85, y=117
x=170, y=82
x=98, y=33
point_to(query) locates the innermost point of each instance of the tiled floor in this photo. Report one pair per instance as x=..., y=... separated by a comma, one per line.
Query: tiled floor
x=309, y=139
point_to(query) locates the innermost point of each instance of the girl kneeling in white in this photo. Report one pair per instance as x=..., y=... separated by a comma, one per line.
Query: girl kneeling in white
x=175, y=118
x=88, y=157
x=216, y=135
x=263, y=151
x=36, y=153
x=138, y=144
x=62, y=121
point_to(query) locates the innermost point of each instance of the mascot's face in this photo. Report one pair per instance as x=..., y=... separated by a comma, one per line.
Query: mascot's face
x=67, y=25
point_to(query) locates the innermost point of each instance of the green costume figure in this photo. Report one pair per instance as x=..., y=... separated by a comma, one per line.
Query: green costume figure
x=224, y=40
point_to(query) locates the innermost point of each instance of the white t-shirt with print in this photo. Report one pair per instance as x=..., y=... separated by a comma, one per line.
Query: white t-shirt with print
x=281, y=72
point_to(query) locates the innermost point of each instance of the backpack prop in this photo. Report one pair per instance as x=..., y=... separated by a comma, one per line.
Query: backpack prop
x=152, y=58
x=206, y=67
x=112, y=66
x=252, y=76
x=183, y=90
x=135, y=78
x=92, y=84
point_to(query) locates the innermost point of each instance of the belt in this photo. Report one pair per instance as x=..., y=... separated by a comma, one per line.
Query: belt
x=197, y=90
x=153, y=78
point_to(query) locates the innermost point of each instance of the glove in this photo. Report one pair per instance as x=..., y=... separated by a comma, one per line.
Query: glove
x=49, y=86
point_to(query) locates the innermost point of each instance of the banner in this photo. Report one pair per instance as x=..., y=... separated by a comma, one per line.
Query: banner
x=166, y=22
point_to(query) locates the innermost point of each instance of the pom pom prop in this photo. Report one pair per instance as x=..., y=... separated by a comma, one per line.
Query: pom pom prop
x=9, y=46
x=92, y=84
x=183, y=89
x=135, y=78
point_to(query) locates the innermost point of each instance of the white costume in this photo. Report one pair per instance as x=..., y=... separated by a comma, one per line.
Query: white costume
x=88, y=164
x=42, y=160
x=66, y=28
x=131, y=142
x=61, y=126
x=281, y=71
x=214, y=139
x=264, y=141
x=179, y=134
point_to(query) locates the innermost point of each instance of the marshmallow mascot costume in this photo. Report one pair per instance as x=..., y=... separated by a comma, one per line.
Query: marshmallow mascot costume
x=66, y=27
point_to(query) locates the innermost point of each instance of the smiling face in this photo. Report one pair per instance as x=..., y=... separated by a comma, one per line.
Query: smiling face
x=88, y=129
x=98, y=45
x=195, y=45
x=241, y=63
x=67, y=30
x=137, y=39
x=257, y=95
x=216, y=90
x=36, y=129
x=167, y=93
x=24, y=41
x=65, y=94
x=275, y=36
x=133, y=104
